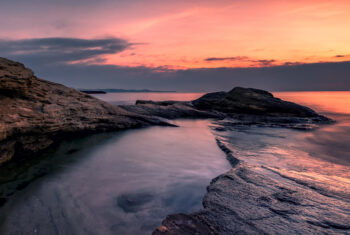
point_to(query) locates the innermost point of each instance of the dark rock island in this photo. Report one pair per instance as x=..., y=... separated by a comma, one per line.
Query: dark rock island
x=240, y=106
x=251, y=101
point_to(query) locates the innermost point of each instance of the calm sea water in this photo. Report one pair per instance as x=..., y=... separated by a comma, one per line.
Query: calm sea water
x=117, y=183
x=319, y=158
x=127, y=182
x=330, y=142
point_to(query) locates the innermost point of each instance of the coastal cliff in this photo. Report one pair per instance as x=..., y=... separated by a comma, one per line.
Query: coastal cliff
x=35, y=114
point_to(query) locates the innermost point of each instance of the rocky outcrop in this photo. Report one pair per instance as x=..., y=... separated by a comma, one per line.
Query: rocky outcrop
x=246, y=201
x=238, y=107
x=251, y=101
x=35, y=114
x=264, y=200
x=241, y=103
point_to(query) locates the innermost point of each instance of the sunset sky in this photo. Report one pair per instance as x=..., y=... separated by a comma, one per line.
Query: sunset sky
x=137, y=43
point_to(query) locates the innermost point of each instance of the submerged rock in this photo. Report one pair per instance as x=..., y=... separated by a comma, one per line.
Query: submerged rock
x=135, y=201
x=34, y=114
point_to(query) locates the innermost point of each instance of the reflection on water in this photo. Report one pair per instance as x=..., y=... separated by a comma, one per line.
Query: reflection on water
x=119, y=183
x=322, y=101
x=330, y=142
x=320, y=158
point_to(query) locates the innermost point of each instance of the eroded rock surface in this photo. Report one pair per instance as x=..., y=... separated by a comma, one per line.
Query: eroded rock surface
x=258, y=199
x=35, y=113
x=266, y=200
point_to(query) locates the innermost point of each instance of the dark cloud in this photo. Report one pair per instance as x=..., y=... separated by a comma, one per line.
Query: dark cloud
x=264, y=62
x=61, y=50
x=292, y=63
x=235, y=58
x=254, y=62
x=341, y=56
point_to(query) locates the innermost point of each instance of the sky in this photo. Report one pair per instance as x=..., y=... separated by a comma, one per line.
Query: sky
x=192, y=45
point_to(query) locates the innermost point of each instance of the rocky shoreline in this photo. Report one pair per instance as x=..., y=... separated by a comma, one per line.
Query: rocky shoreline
x=263, y=200
x=36, y=114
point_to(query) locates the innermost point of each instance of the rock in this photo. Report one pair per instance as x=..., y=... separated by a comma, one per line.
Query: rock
x=35, y=114
x=264, y=200
x=183, y=224
x=134, y=201
x=14, y=78
x=251, y=101
x=170, y=110
x=238, y=107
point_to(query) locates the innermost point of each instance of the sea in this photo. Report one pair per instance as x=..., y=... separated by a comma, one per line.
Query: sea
x=127, y=182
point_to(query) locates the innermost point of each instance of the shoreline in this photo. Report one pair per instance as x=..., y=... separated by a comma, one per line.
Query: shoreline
x=195, y=191
x=283, y=202
x=37, y=114
x=260, y=199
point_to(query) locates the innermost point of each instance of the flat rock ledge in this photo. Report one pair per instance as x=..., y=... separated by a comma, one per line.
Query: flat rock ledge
x=35, y=114
x=263, y=200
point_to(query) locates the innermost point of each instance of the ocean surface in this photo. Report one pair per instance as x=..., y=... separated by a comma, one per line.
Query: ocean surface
x=127, y=182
